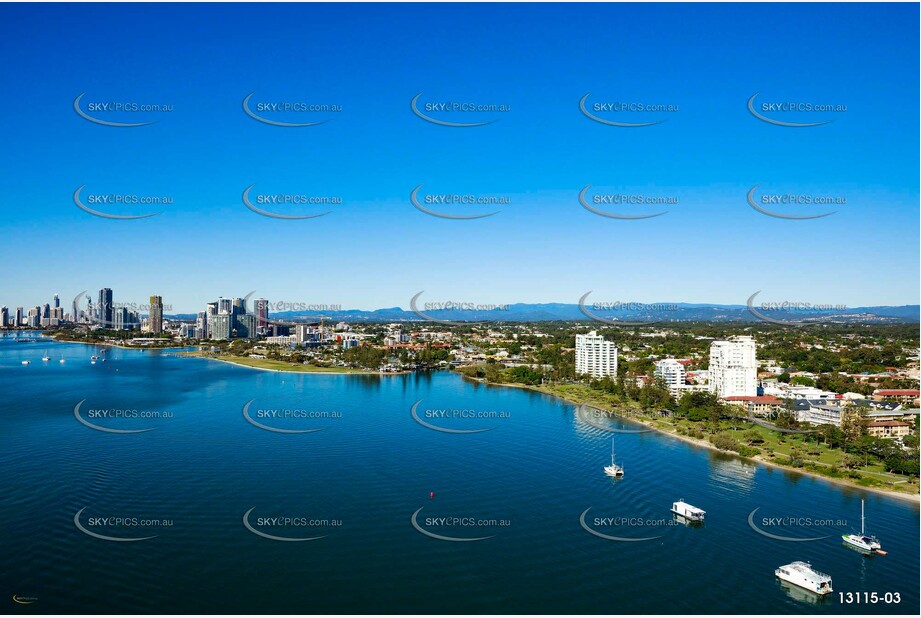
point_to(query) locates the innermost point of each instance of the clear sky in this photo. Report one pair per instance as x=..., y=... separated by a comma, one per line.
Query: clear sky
x=377, y=250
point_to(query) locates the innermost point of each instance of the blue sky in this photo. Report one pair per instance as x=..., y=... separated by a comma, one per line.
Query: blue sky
x=376, y=249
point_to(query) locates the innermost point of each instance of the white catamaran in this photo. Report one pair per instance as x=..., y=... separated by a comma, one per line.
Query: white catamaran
x=613, y=470
x=863, y=541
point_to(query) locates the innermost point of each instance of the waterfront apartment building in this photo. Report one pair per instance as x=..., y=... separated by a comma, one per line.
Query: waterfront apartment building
x=155, y=321
x=671, y=372
x=4, y=317
x=595, y=356
x=733, y=367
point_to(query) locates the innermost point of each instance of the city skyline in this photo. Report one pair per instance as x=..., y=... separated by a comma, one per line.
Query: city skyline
x=262, y=304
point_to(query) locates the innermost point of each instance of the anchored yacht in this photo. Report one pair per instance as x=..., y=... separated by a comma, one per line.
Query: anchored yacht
x=863, y=541
x=613, y=470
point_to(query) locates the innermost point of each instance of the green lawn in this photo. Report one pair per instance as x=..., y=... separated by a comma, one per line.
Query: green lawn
x=267, y=363
x=821, y=457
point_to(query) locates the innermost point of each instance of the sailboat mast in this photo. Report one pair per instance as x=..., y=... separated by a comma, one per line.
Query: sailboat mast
x=861, y=517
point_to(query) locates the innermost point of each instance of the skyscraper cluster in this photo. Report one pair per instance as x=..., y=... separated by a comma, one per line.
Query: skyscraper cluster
x=228, y=318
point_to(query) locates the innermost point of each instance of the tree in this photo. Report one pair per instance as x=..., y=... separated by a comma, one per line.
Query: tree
x=700, y=406
x=525, y=375
x=797, y=457
x=725, y=442
x=850, y=462
x=853, y=426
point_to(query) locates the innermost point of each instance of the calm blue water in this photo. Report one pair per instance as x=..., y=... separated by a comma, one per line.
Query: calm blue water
x=358, y=482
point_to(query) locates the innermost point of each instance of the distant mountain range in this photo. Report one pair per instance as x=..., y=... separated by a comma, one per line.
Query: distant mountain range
x=629, y=314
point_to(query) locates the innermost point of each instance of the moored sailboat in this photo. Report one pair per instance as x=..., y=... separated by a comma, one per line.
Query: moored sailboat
x=613, y=470
x=863, y=541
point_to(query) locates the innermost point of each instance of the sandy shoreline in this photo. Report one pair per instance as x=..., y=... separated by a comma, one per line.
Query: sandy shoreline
x=356, y=372
x=913, y=498
x=122, y=347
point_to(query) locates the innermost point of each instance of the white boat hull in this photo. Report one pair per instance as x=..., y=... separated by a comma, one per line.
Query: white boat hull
x=857, y=542
x=807, y=579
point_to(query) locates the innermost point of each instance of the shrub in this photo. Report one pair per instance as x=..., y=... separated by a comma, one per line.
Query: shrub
x=725, y=442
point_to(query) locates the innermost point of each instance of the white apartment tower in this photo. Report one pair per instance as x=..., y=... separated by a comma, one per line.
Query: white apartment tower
x=595, y=356
x=733, y=368
x=671, y=372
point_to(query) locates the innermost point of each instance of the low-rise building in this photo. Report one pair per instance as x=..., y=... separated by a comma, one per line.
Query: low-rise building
x=282, y=340
x=904, y=396
x=817, y=412
x=888, y=429
x=763, y=406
